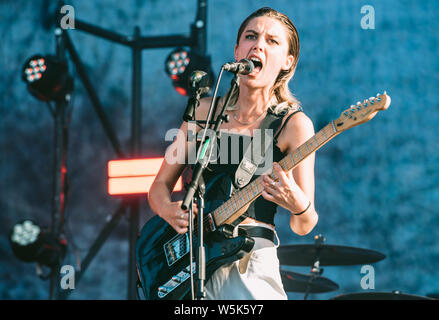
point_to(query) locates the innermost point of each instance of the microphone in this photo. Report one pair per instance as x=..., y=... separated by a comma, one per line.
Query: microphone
x=199, y=84
x=243, y=67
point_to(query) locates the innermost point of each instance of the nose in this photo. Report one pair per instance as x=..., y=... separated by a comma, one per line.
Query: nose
x=259, y=45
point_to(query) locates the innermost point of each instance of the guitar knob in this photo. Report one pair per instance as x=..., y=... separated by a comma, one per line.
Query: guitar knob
x=163, y=289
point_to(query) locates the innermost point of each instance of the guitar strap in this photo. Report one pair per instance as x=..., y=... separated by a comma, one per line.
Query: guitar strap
x=253, y=157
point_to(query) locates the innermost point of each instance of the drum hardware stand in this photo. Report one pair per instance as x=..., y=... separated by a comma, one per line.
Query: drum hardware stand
x=316, y=271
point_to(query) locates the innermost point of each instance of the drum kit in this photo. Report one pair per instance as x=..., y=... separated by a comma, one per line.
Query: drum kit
x=320, y=254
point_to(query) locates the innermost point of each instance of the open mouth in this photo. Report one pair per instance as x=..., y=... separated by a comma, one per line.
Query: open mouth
x=257, y=63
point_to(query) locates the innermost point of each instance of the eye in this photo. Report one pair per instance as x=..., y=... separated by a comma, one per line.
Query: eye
x=250, y=36
x=273, y=41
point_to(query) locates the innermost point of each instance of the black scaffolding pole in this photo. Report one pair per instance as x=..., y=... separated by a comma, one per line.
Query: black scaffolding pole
x=136, y=128
x=59, y=167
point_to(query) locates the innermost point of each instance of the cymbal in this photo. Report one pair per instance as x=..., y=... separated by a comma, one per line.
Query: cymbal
x=296, y=282
x=330, y=255
x=396, y=295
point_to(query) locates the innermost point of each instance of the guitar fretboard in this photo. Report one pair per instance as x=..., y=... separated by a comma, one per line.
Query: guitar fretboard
x=234, y=207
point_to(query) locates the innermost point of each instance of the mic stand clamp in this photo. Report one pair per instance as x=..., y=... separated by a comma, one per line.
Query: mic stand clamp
x=197, y=186
x=192, y=104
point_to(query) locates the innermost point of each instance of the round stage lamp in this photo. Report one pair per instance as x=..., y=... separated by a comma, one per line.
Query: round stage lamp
x=180, y=64
x=46, y=77
x=30, y=243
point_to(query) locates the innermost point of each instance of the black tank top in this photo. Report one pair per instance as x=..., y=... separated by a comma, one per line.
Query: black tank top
x=220, y=174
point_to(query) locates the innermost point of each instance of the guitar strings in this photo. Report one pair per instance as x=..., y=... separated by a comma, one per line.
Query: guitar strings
x=206, y=218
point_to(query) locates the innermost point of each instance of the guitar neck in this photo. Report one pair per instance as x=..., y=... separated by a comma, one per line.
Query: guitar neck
x=237, y=205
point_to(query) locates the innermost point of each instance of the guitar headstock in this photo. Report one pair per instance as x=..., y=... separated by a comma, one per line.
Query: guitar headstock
x=362, y=112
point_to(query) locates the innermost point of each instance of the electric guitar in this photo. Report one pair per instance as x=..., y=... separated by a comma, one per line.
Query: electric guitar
x=162, y=255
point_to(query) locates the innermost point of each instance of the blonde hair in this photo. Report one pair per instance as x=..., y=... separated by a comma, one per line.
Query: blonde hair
x=282, y=97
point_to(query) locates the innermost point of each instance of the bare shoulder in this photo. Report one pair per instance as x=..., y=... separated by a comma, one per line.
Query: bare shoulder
x=300, y=123
x=297, y=130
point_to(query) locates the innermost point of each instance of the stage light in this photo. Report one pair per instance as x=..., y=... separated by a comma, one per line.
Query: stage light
x=179, y=65
x=134, y=176
x=46, y=77
x=30, y=243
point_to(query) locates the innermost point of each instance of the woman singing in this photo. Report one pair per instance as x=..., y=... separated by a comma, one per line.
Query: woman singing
x=270, y=40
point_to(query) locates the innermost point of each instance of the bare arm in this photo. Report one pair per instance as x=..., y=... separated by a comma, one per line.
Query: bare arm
x=176, y=158
x=295, y=191
x=159, y=196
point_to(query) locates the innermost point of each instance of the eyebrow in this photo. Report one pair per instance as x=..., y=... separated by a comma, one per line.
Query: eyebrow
x=257, y=33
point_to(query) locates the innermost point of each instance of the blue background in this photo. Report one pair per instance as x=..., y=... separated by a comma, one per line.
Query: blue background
x=377, y=185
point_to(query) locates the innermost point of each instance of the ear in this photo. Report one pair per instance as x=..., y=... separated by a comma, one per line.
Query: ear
x=288, y=63
x=236, y=48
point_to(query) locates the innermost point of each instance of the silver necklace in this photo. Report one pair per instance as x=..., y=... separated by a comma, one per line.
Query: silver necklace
x=248, y=123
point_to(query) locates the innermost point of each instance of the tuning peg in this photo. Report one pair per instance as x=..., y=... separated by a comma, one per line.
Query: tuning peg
x=348, y=113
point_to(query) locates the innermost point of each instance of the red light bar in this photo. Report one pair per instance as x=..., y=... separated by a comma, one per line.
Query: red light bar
x=134, y=176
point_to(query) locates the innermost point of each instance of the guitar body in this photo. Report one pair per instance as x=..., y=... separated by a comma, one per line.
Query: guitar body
x=163, y=258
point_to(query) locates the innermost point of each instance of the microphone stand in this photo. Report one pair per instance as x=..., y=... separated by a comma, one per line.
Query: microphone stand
x=197, y=187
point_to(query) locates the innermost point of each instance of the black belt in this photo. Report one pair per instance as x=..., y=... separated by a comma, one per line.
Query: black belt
x=259, y=232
